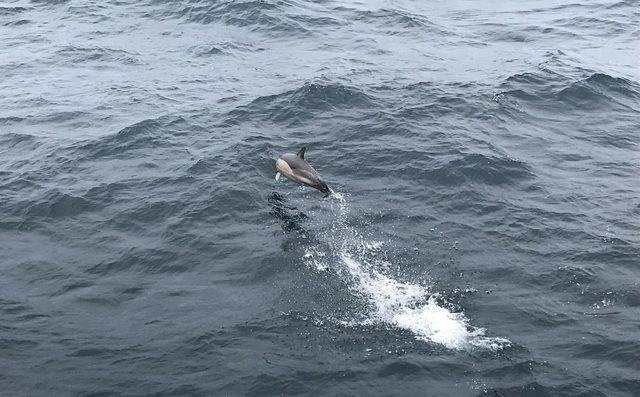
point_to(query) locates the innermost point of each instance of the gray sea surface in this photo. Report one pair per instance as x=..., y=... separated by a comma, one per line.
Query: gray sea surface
x=484, y=238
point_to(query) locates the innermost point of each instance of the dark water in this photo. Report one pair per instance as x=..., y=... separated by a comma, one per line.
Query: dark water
x=485, y=239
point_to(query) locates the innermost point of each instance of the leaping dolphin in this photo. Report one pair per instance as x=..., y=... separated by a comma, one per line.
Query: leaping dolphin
x=294, y=167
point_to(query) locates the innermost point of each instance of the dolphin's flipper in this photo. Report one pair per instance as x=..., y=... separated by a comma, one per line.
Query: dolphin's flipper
x=277, y=176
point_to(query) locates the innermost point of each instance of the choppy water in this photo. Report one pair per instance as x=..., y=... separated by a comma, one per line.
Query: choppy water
x=485, y=240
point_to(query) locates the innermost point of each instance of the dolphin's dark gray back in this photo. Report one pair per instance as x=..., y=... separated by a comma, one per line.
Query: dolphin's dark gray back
x=297, y=163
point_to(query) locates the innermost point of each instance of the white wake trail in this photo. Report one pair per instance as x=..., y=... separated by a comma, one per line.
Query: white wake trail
x=404, y=305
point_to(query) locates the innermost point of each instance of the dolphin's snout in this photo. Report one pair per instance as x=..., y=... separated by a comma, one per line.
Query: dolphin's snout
x=324, y=188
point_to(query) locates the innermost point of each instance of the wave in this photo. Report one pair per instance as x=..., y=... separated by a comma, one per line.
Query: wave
x=490, y=170
x=150, y=133
x=600, y=90
x=18, y=22
x=61, y=117
x=224, y=48
x=268, y=17
x=55, y=204
x=394, y=21
x=11, y=140
x=11, y=120
x=603, y=26
x=207, y=51
x=620, y=4
x=12, y=10
x=552, y=91
x=473, y=168
x=75, y=54
x=77, y=118
x=50, y=2
x=294, y=105
x=526, y=34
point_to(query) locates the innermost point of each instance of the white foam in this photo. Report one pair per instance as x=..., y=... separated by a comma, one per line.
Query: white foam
x=315, y=260
x=337, y=195
x=414, y=308
x=408, y=306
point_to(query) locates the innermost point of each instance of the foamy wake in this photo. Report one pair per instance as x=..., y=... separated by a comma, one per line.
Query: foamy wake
x=408, y=306
x=413, y=307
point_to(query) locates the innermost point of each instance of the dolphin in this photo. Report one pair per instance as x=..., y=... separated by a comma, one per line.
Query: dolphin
x=294, y=167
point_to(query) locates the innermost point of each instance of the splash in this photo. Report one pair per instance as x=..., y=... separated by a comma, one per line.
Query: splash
x=414, y=308
x=404, y=305
x=337, y=195
x=316, y=259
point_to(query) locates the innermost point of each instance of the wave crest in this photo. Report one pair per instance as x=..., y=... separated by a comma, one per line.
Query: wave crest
x=302, y=102
x=554, y=92
x=265, y=16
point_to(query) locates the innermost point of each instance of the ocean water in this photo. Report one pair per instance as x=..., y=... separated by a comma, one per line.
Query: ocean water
x=484, y=238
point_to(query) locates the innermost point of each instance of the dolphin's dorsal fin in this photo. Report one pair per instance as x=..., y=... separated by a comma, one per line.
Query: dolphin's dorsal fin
x=301, y=153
